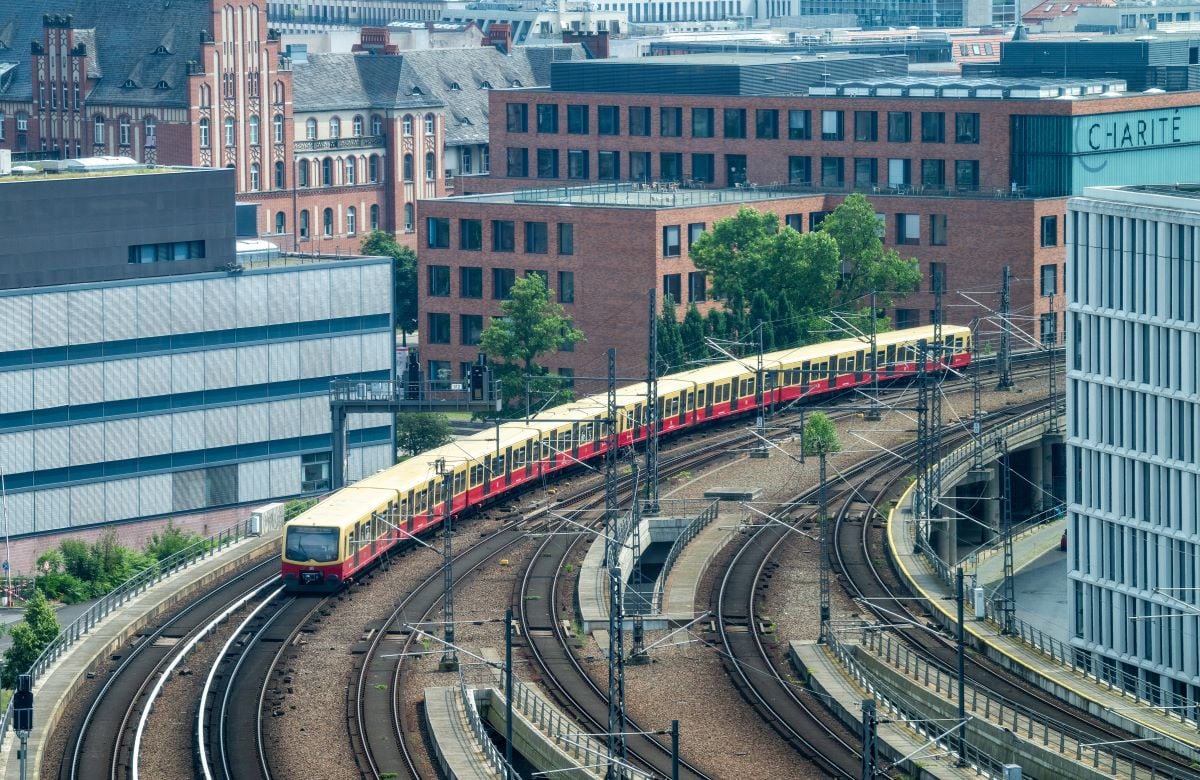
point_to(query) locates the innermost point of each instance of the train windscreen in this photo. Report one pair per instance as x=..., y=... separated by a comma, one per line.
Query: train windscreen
x=305, y=543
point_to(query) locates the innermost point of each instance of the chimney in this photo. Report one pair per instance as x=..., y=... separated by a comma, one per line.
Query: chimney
x=594, y=43
x=1021, y=33
x=499, y=34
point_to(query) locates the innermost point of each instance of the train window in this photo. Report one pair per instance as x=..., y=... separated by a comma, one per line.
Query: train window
x=890, y=360
x=585, y=432
x=476, y=475
x=600, y=430
x=497, y=465
x=419, y=504
x=564, y=440
x=691, y=401
x=305, y=543
x=460, y=481
x=518, y=458
x=700, y=398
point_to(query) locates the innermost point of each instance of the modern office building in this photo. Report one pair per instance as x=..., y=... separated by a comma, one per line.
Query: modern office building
x=1133, y=421
x=144, y=373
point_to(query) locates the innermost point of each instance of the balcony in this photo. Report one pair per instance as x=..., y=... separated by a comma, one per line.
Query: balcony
x=334, y=144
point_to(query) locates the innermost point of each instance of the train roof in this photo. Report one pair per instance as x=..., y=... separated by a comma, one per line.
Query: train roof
x=346, y=505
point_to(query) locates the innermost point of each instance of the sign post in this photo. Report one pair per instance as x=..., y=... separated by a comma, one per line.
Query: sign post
x=23, y=716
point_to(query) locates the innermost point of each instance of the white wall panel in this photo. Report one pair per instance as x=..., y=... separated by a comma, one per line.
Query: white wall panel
x=120, y=313
x=252, y=365
x=87, y=383
x=120, y=379
x=121, y=500
x=16, y=322
x=314, y=294
x=285, y=476
x=253, y=423
x=50, y=320
x=253, y=300
x=154, y=435
x=220, y=368
x=314, y=415
x=20, y=514
x=346, y=355
x=187, y=372
x=16, y=391
x=87, y=505
x=87, y=443
x=121, y=439
x=284, y=295
x=85, y=318
x=285, y=419
x=314, y=358
x=187, y=307
x=52, y=508
x=187, y=431
x=50, y=387
x=377, y=352
x=376, y=289
x=154, y=375
x=220, y=303
x=16, y=452
x=354, y=470
x=154, y=309
x=51, y=448
x=254, y=480
x=220, y=426
x=154, y=494
x=375, y=458
x=284, y=361
x=344, y=292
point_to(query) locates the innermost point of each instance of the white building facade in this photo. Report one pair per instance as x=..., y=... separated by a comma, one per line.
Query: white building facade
x=1133, y=410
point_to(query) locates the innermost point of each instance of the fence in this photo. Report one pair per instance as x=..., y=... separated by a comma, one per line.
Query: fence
x=490, y=753
x=693, y=529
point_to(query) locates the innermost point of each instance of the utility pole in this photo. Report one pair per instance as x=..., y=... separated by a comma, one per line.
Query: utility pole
x=826, y=545
x=1008, y=598
x=962, y=647
x=449, y=662
x=1053, y=373
x=651, y=506
x=920, y=494
x=760, y=449
x=870, y=723
x=1005, y=357
x=612, y=564
x=674, y=750
x=874, y=414
x=508, y=694
x=933, y=495
x=976, y=402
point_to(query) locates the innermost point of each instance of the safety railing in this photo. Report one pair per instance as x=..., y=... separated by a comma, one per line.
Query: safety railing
x=690, y=532
x=490, y=753
x=131, y=588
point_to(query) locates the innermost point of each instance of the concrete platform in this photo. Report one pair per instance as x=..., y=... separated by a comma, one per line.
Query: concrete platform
x=458, y=752
x=53, y=691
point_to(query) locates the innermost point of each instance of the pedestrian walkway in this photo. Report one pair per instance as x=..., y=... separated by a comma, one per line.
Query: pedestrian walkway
x=55, y=686
x=458, y=751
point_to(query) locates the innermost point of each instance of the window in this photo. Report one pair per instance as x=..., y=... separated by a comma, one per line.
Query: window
x=408, y=167
x=831, y=126
x=470, y=282
x=439, y=281
x=470, y=235
x=815, y=218
x=966, y=128
x=735, y=122
x=1049, y=231
x=165, y=252
x=518, y=161
x=639, y=120
x=254, y=131
x=97, y=130
x=966, y=174
x=735, y=169
x=832, y=172
x=577, y=164
x=335, y=128
x=794, y=221
x=1049, y=279
x=608, y=166
x=229, y=133
x=670, y=241
x=702, y=123
x=439, y=372
x=408, y=221
x=310, y=130
x=439, y=329
x=373, y=168
x=899, y=172
x=123, y=131
x=517, y=118
x=704, y=168
x=304, y=225
x=327, y=172
x=537, y=238
x=671, y=288
x=277, y=128
x=376, y=125
x=438, y=227
x=670, y=166
x=866, y=126
x=255, y=177
x=358, y=126
x=502, y=282
x=799, y=125
x=608, y=120
x=429, y=124
x=431, y=167
x=406, y=125
x=547, y=118
x=908, y=229
x=766, y=123
x=577, y=120
x=464, y=159
x=504, y=235
x=204, y=134
x=351, y=171
x=937, y=277
x=1049, y=328
x=937, y=229
x=639, y=166
x=697, y=287
x=933, y=174
x=566, y=287
x=800, y=170
x=280, y=222
x=566, y=238
x=351, y=220
x=670, y=122
x=866, y=172
x=695, y=230
x=374, y=216
x=907, y=318
x=470, y=329
x=327, y=223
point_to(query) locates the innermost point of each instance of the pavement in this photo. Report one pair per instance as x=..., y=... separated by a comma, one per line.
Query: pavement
x=1041, y=592
x=66, y=614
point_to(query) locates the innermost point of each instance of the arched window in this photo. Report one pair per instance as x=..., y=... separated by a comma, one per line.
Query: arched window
x=278, y=93
x=302, y=173
x=327, y=172
x=98, y=130
x=376, y=124
x=205, y=96
x=280, y=222
x=310, y=129
x=327, y=223
x=304, y=225
x=408, y=216
x=351, y=171
x=375, y=216
x=254, y=131
x=429, y=124
x=255, y=177
x=358, y=126
x=277, y=128
x=335, y=128
x=430, y=166
x=279, y=182
x=406, y=124
x=204, y=134
x=408, y=167
x=229, y=136
x=351, y=221
x=373, y=168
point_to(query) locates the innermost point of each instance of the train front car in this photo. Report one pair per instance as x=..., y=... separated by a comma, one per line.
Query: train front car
x=313, y=560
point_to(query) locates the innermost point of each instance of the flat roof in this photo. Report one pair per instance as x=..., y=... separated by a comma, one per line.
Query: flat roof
x=636, y=196
x=727, y=59
x=44, y=170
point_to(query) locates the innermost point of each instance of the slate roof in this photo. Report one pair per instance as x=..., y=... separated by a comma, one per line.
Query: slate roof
x=122, y=37
x=450, y=79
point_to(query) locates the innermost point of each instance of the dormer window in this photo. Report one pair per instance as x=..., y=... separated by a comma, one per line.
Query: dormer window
x=516, y=82
x=129, y=84
x=485, y=85
x=417, y=91
x=454, y=87
x=161, y=50
x=162, y=85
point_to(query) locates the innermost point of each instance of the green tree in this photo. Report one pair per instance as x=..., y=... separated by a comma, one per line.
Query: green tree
x=670, y=342
x=760, y=313
x=420, y=431
x=531, y=325
x=870, y=267
x=20, y=655
x=714, y=324
x=39, y=615
x=692, y=333
x=170, y=541
x=787, y=325
x=404, y=277
x=820, y=435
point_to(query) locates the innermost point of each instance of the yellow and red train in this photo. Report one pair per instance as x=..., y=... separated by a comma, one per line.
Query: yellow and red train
x=328, y=545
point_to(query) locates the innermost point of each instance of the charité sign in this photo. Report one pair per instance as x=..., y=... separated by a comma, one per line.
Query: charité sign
x=1136, y=130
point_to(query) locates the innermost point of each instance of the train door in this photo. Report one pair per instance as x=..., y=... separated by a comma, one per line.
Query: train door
x=860, y=366
x=575, y=440
x=406, y=511
x=704, y=401
x=487, y=474
x=637, y=421
x=508, y=466
x=733, y=394
x=889, y=362
x=530, y=445
x=687, y=402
